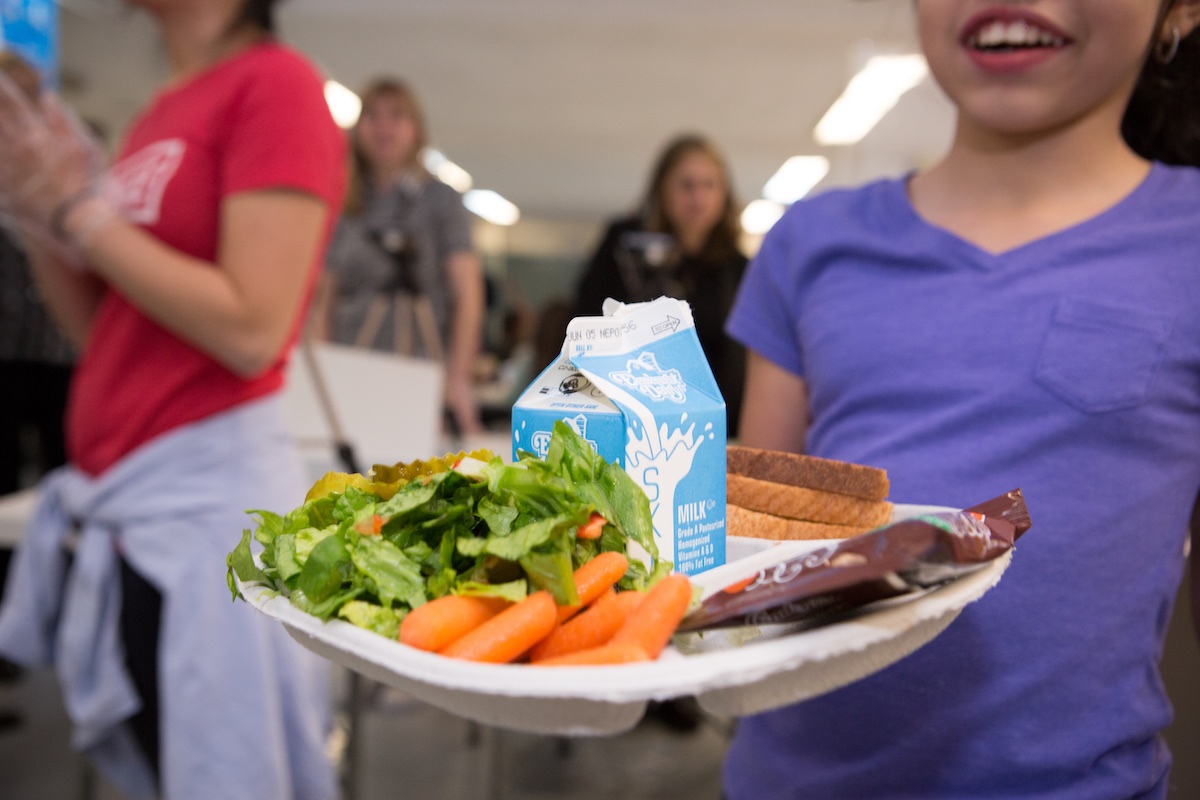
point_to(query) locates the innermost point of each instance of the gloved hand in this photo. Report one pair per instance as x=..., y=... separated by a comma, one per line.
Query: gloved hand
x=51, y=170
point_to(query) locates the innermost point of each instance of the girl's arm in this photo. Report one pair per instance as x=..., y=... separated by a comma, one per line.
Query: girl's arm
x=466, y=334
x=239, y=310
x=774, y=408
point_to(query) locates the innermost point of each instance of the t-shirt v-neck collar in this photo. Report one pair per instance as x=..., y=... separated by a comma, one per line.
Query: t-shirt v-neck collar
x=1087, y=229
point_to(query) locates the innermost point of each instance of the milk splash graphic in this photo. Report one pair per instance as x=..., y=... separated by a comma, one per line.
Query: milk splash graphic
x=658, y=461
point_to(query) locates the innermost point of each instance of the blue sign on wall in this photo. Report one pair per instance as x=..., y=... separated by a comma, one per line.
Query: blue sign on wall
x=30, y=27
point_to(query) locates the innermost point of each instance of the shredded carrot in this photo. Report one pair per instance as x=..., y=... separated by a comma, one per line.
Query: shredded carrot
x=738, y=586
x=624, y=653
x=593, y=578
x=594, y=627
x=510, y=633
x=592, y=528
x=657, y=617
x=439, y=622
x=370, y=527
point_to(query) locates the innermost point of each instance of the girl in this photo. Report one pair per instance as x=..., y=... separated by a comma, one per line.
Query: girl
x=1019, y=315
x=400, y=218
x=183, y=280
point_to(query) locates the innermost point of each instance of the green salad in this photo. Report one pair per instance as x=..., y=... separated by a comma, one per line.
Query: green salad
x=367, y=549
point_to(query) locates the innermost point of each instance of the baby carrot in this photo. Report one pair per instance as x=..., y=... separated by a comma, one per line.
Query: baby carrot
x=439, y=622
x=657, y=617
x=604, y=654
x=594, y=627
x=593, y=578
x=510, y=633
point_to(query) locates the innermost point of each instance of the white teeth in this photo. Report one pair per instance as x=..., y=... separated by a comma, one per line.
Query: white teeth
x=992, y=35
x=1013, y=34
x=1016, y=32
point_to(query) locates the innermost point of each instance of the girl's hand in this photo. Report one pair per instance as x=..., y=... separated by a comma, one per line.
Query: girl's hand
x=50, y=165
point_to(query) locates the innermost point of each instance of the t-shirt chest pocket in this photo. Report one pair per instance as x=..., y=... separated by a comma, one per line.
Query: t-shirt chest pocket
x=1101, y=357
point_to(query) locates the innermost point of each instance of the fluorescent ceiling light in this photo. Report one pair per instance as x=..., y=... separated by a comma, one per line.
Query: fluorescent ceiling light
x=760, y=215
x=344, y=104
x=446, y=170
x=869, y=95
x=796, y=178
x=491, y=206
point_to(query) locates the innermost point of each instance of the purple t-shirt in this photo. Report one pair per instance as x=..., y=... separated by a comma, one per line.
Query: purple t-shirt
x=1068, y=367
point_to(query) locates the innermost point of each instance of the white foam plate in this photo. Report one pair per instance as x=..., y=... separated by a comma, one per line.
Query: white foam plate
x=728, y=679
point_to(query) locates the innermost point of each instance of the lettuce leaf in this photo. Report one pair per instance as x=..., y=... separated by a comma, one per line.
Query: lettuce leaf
x=327, y=567
x=241, y=561
x=377, y=619
x=514, y=591
x=395, y=575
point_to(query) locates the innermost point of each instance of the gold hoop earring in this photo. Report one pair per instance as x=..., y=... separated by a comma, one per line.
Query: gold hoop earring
x=1164, y=52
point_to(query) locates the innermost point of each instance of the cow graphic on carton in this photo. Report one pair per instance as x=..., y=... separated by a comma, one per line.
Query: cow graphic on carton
x=643, y=374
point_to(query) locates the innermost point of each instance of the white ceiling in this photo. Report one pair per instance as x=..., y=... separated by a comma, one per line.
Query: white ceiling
x=562, y=105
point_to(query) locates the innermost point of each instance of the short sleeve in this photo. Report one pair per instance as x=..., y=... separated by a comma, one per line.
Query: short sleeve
x=280, y=131
x=763, y=315
x=452, y=227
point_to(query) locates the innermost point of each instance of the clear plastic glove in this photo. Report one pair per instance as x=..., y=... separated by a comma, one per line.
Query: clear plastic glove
x=51, y=167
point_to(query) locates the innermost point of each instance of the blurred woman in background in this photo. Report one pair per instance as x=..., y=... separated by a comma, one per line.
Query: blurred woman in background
x=683, y=243
x=182, y=274
x=403, y=275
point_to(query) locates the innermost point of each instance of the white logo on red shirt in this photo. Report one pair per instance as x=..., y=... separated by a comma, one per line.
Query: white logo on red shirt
x=136, y=183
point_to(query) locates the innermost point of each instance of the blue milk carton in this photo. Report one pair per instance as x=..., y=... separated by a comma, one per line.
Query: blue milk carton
x=636, y=385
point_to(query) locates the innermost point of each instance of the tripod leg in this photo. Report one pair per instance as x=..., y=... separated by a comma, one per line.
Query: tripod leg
x=427, y=325
x=404, y=328
x=371, y=323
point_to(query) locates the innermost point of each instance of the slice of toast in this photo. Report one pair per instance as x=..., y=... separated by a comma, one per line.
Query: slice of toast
x=811, y=505
x=840, y=477
x=743, y=522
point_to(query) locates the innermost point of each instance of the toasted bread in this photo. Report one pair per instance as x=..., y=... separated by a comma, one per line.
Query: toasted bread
x=812, y=505
x=743, y=522
x=793, y=469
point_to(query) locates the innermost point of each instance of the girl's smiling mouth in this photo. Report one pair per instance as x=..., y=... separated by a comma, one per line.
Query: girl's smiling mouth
x=1011, y=40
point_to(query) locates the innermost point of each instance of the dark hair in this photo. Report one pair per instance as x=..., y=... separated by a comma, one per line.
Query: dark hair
x=258, y=13
x=723, y=239
x=360, y=167
x=1162, y=120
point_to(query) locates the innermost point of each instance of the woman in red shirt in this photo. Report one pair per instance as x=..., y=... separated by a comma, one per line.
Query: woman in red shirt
x=183, y=276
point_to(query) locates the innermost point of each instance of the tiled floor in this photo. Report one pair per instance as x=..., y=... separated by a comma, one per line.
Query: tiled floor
x=412, y=750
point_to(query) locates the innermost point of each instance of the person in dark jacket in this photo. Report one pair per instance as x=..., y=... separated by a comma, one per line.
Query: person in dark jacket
x=683, y=243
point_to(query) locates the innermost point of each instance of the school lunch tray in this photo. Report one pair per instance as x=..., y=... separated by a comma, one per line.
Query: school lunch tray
x=729, y=678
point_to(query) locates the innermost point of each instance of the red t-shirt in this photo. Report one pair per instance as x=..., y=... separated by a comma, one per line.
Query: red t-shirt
x=257, y=120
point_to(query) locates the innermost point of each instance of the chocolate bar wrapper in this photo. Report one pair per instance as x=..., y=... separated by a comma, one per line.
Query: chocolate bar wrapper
x=908, y=556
